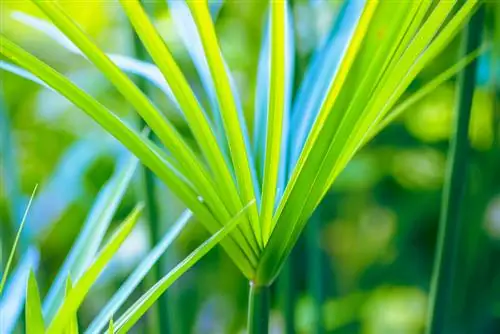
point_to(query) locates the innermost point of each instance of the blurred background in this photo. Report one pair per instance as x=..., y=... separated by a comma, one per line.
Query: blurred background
x=373, y=236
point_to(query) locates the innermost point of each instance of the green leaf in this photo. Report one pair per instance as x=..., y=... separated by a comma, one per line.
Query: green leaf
x=88, y=241
x=72, y=323
x=133, y=280
x=16, y=241
x=75, y=297
x=137, y=310
x=322, y=70
x=13, y=297
x=276, y=114
x=199, y=124
x=111, y=327
x=128, y=64
x=162, y=165
x=34, y=316
x=239, y=149
x=424, y=91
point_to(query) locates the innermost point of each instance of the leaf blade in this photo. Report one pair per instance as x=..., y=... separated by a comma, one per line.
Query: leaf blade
x=34, y=316
x=133, y=280
x=82, y=286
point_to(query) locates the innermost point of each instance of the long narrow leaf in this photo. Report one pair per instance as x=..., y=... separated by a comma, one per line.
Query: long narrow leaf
x=83, y=285
x=12, y=299
x=133, y=280
x=72, y=326
x=127, y=64
x=238, y=146
x=34, y=316
x=16, y=240
x=87, y=243
x=130, y=317
x=276, y=115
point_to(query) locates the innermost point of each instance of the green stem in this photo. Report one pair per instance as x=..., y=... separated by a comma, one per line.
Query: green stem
x=286, y=288
x=151, y=207
x=316, y=271
x=258, y=309
x=454, y=188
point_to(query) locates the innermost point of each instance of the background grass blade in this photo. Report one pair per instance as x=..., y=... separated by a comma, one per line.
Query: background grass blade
x=16, y=240
x=133, y=280
x=72, y=324
x=82, y=286
x=137, y=310
x=12, y=299
x=450, y=225
x=33, y=308
x=88, y=241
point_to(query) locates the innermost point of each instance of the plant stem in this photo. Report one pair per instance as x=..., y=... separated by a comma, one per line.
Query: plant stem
x=151, y=208
x=286, y=288
x=454, y=187
x=258, y=309
x=315, y=272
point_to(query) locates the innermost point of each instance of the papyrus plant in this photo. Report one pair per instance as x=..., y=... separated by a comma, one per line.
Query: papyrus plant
x=300, y=143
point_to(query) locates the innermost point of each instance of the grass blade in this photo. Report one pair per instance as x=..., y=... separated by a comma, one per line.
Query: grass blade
x=323, y=68
x=187, y=30
x=450, y=225
x=83, y=285
x=34, y=316
x=238, y=146
x=424, y=91
x=133, y=280
x=275, y=115
x=130, y=317
x=12, y=299
x=88, y=241
x=72, y=327
x=16, y=240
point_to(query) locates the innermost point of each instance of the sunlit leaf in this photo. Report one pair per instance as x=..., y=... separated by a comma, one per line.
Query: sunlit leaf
x=75, y=297
x=88, y=241
x=33, y=308
x=133, y=280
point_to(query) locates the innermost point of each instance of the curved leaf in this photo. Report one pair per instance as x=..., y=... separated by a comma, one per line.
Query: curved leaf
x=133, y=280
x=87, y=243
x=75, y=297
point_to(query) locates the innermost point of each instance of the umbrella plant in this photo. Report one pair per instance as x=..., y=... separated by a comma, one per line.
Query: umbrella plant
x=352, y=90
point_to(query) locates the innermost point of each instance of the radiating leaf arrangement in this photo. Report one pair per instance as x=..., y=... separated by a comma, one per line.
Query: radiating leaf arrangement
x=300, y=144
